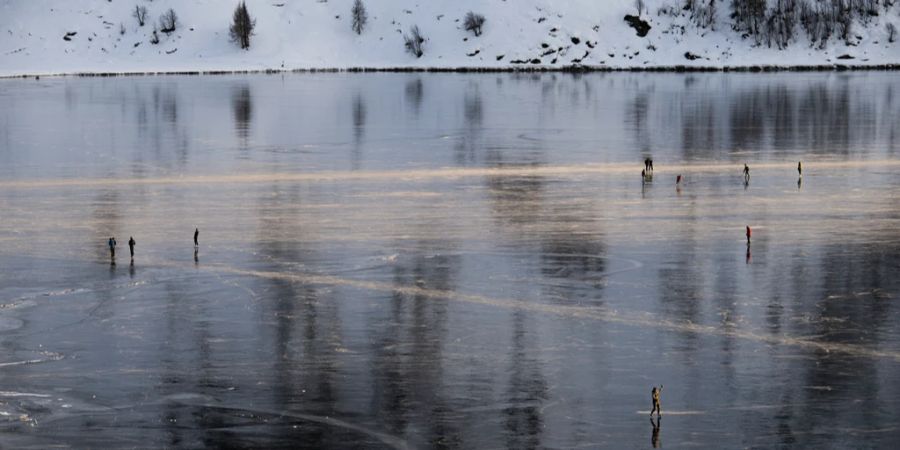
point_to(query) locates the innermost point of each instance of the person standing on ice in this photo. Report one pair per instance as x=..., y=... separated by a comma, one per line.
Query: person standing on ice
x=196, y=236
x=131, y=246
x=654, y=395
x=800, y=168
x=749, y=232
x=112, y=248
x=746, y=173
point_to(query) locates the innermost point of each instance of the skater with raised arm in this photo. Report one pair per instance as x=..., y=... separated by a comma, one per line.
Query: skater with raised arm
x=654, y=395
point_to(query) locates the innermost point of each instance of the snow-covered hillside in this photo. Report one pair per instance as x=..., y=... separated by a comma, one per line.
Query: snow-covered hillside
x=103, y=36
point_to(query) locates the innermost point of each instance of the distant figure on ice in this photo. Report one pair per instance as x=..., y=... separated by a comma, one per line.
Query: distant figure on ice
x=112, y=248
x=647, y=164
x=644, y=175
x=654, y=394
x=678, y=179
x=651, y=164
x=800, y=168
x=196, y=236
x=131, y=246
x=749, y=232
x=746, y=173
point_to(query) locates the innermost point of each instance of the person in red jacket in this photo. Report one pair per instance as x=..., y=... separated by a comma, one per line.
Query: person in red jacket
x=749, y=232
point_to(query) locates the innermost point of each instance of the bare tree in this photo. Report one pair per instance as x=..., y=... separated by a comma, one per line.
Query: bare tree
x=749, y=17
x=140, y=13
x=360, y=17
x=473, y=22
x=780, y=23
x=168, y=21
x=242, y=26
x=703, y=12
x=845, y=25
x=414, y=41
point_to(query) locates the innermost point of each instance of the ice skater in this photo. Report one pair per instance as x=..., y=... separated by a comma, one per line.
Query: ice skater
x=196, y=237
x=800, y=168
x=647, y=164
x=746, y=174
x=650, y=161
x=644, y=175
x=678, y=180
x=749, y=233
x=131, y=246
x=654, y=394
x=112, y=248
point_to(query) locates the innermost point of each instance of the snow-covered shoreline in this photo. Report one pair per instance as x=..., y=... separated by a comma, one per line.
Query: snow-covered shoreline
x=102, y=38
x=568, y=69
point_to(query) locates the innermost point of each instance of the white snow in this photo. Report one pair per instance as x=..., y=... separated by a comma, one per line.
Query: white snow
x=316, y=34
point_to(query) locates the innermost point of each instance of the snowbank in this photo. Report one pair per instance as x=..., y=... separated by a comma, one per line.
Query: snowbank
x=104, y=37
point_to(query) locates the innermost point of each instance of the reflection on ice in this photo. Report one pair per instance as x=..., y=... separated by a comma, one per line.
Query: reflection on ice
x=503, y=279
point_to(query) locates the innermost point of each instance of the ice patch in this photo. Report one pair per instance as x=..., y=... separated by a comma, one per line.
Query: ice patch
x=9, y=324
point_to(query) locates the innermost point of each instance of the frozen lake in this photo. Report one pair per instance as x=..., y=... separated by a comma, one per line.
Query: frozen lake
x=450, y=261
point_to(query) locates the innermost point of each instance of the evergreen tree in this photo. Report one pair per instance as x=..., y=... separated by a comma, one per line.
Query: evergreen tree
x=242, y=26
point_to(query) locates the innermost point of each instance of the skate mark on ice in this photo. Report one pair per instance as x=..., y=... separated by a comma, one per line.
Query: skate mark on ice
x=581, y=312
x=674, y=413
x=47, y=357
x=422, y=174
